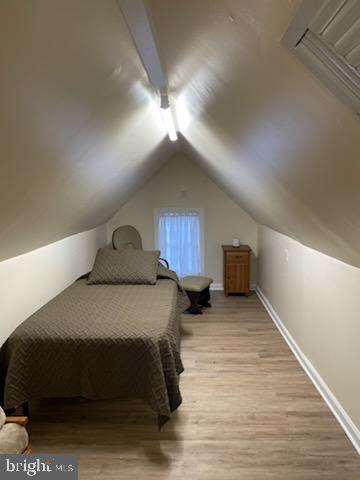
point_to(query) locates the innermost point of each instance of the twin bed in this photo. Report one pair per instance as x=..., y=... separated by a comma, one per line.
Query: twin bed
x=101, y=341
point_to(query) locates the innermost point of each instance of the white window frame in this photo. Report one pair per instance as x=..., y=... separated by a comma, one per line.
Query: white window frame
x=199, y=211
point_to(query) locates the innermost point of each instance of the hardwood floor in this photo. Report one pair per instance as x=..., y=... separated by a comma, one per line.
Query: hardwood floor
x=249, y=412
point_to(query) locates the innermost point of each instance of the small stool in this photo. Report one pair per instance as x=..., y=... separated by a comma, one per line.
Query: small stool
x=198, y=291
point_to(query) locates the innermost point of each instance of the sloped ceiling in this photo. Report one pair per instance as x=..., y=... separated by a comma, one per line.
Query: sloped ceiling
x=80, y=130
x=259, y=123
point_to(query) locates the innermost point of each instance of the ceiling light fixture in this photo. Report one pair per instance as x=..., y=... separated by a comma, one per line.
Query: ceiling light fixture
x=168, y=118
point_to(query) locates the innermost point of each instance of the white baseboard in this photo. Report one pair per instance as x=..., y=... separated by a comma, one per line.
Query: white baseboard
x=351, y=430
x=220, y=287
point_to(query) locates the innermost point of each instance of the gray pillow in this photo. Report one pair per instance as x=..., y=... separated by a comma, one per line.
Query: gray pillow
x=125, y=266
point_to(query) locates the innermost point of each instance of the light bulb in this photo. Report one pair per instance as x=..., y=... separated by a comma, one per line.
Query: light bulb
x=169, y=123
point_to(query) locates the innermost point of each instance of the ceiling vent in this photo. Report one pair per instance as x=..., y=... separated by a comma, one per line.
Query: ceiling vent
x=325, y=36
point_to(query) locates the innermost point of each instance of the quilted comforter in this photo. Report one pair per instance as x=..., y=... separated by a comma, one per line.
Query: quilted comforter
x=98, y=342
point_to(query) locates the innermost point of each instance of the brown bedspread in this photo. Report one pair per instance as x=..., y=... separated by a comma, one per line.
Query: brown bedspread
x=101, y=341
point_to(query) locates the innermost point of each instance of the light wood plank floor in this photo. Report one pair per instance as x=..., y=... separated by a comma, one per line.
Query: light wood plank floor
x=249, y=413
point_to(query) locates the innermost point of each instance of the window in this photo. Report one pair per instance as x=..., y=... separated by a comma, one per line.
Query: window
x=179, y=237
x=325, y=36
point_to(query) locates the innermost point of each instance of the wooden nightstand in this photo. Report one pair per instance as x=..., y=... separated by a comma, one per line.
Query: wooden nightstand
x=237, y=269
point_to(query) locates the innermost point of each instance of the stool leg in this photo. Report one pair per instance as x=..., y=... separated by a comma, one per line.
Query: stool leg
x=205, y=297
x=194, y=299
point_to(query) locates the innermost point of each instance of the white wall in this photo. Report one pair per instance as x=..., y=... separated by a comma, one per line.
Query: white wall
x=180, y=183
x=30, y=280
x=259, y=122
x=318, y=300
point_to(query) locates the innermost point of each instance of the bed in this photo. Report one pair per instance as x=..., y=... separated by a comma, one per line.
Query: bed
x=101, y=342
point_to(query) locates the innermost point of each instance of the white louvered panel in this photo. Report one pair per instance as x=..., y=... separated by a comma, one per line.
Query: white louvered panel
x=327, y=40
x=338, y=25
x=349, y=40
x=354, y=57
x=333, y=62
x=331, y=68
x=327, y=12
x=341, y=22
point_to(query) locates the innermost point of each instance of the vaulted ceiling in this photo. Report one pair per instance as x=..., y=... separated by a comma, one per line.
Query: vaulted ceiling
x=80, y=129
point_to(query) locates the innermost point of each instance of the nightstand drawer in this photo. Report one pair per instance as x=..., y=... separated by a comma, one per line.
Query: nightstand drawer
x=235, y=257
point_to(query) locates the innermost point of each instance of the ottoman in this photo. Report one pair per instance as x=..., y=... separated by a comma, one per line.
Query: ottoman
x=198, y=291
